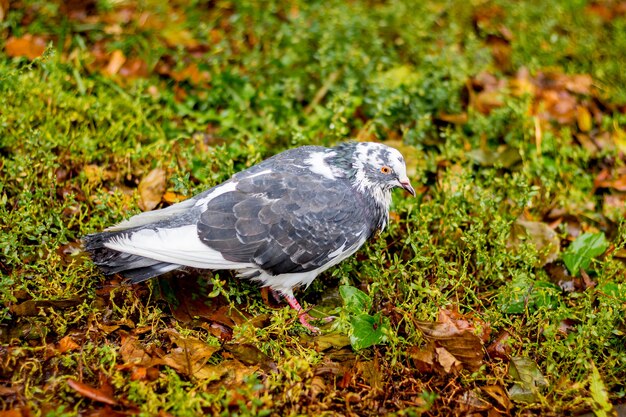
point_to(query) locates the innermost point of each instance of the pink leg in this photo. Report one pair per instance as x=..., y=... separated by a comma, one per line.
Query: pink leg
x=304, y=316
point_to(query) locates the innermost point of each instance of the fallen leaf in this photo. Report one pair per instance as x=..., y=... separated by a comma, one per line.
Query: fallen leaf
x=133, y=353
x=602, y=406
x=4, y=9
x=173, y=198
x=371, y=373
x=459, y=342
x=175, y=36
x=499, y=394
x=505, y=157
x=528, y=377
x=191, y=357
x=33, y=307
x=67, y=344
x=13, y=413
x=542, y=237
x=151, y=189
x=316, y=387
x=29, y=46
x=423, y=359
x=327, y=340
x=90, y=392
x=457, y=119
x=486, y=101
x=500, y=347
x=583, y=118
x=251, y=355
x=191, y=73
x=115, y=62
x=447, y=360
x=566, y=326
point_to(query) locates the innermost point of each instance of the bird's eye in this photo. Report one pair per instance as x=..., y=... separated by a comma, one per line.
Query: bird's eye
x=385, y=169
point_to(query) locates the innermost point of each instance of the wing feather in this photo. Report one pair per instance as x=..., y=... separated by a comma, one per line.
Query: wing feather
x=285, y=222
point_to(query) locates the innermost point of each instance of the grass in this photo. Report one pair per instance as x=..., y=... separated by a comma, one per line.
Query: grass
x=75, y=142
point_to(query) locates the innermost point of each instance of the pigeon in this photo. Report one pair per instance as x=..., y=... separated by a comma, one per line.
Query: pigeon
x=280, y=223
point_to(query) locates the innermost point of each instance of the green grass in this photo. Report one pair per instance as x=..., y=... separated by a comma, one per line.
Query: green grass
x=74, y=144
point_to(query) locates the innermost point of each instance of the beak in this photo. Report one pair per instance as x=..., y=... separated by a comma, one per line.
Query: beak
x=404, y=183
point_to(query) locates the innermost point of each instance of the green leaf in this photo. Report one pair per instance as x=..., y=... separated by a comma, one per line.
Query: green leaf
x=525, y=293
x=356, y=300
x=601, y=407
x=368, y=330
x=586, y=247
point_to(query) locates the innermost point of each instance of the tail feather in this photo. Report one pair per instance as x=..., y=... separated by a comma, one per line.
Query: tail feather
x=110, y=261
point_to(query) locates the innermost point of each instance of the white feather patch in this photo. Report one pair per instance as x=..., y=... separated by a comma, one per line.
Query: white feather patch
x=180, y=246
x=317, y=164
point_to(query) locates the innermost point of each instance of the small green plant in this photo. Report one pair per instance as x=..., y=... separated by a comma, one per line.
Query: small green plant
x=583, y=250
x=365, y=330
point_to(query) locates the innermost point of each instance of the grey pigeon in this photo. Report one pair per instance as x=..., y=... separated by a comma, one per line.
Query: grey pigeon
x=281, y=222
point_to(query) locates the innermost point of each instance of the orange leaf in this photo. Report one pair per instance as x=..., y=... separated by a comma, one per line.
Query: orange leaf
x=172, y=198
x=115, y=63
x=66, y=344
x=91, y=392
x=29, y=46
x=11, y=413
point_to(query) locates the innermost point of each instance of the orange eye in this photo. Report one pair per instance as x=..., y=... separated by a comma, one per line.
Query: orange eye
x=385, y=169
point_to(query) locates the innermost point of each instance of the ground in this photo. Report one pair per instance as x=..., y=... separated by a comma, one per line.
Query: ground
x=499, y=290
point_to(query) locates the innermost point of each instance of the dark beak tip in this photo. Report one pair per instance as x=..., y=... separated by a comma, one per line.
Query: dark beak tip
x=408, y=187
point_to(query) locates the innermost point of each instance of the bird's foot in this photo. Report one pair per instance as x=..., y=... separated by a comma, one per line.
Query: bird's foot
x=305, y=317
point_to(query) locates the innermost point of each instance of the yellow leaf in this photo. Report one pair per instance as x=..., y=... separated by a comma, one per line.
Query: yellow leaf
x=583, y=117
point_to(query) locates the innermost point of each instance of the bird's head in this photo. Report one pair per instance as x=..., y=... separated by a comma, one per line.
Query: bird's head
x=379, y=167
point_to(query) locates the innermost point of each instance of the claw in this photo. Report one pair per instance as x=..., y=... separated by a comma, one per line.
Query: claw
x=303, y=316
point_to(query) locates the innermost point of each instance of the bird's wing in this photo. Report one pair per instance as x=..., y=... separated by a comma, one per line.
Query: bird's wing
x=285, y=222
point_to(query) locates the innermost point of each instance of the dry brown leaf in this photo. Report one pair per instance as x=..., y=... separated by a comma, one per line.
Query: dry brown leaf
x=134, y=68
x=67, y=344
x=191, y=357
x=614, y=206
x=457, y=119
x=447, y=360
x=4, y=9
x=317, y=386
x=457, y=337
x=90, y=392
x=500, y=347
x=133, y=353
x=28, y=45
x=151, y=189
x=486, y=101
x=542, y=237
x=578, y=83
x=115, y=62
x=193, y=74
x=371, y=373
x=251, y=355
x=499, y=394
x=32, y=307
x=423, y=359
